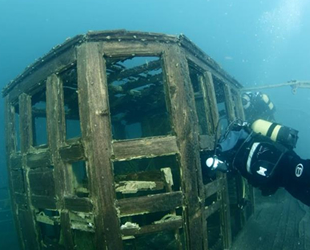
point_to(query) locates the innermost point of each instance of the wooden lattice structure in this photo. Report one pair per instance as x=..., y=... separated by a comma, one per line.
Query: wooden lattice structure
x=104, y=135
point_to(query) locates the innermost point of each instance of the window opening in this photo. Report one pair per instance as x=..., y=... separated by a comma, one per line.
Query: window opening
x=39, y=118
x=146, y=176
x=196, y=79
x=137, y=97
x=80, y=179
x=71, y=103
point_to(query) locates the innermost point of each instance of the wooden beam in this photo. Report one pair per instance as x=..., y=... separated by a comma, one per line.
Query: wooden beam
x=78, y=204
x=55, y=113
x=130, y=48
x=148, y=147
x=38, y=72
x=211, y=99
x=193, y=52
x=164, y=226
x=213, y=187
x=149, y=204
x=135, y=71
x=41, y=182
x=212, y=208
x=39, y=201
x=96, y=133
x=39, y=159
x=73, y=151
x=25, y=123
x=229, y=103
x=125, y=35
x=185, y=124
x=10, y=139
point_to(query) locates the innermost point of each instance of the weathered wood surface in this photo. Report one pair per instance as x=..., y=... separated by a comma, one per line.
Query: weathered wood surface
x=10, y=139
x=149, y=147
x=28, y=232
x=96, y=132
x=149, y=204
x=43, y=202
x=209, y=210
x=135, y=71
x=42, y=182
x=66, y=230
x=38, y=159
x=56, y=138
x=225, y=213
x=229, y=103
x=238, y=104
x=206, y=142
x=25, y=123
x=185, y=124
x=120, y=35
x=211, y=99
x=279, y=222
x=167, y=225
x=213, y=187
x=73, y=151
x=130, y=49
x=78, y=204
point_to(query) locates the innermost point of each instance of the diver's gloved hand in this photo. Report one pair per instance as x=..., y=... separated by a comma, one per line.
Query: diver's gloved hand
x=214, y=163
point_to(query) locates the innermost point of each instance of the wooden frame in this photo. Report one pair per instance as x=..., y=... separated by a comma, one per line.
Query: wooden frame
x=103, y=212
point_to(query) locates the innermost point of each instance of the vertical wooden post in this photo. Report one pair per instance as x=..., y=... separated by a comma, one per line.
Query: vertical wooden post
x=97, y=137
x=229, y=103
x=10, y=149
x=55, y=115
x=25, y=123
x=185, y=125
x=26, y=215
x=210, y=93
x=239, y=106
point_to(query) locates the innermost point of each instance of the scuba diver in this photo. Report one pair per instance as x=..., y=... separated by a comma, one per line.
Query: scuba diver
x=257, y=104
x=262, y=152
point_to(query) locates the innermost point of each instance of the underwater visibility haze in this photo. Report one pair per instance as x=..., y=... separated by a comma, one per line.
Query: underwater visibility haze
x=259, y=43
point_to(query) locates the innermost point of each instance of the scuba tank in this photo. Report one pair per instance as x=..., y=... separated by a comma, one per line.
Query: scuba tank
x=276, y=132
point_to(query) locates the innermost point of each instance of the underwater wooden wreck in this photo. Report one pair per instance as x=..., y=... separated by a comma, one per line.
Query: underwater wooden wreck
x=103, y=140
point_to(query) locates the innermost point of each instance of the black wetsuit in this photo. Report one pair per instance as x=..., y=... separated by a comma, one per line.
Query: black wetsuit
x=266, y=164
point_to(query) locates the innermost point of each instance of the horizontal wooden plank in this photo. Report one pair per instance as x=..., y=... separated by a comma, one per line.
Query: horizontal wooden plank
x=42, y=182
x=130, y=48
x=212, y=208
x=149, y=204
x=120, y=35
x=168, y=225
x=43, y=201
x=38, y=159
x=213, y=187
x=146, y=147
x=78, y=204
x=72, y=152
